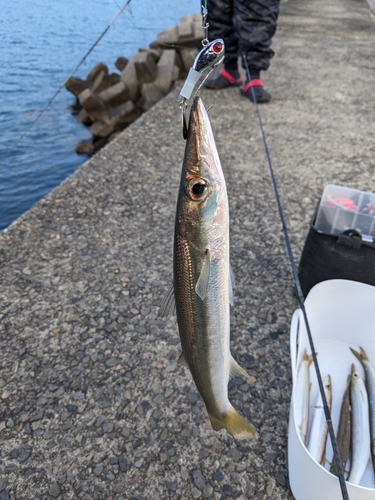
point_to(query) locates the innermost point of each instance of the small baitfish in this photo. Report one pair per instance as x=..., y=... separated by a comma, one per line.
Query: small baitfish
x=370, y=385
x=360, y=428
x=343, y=437
x=202, y=278
x=319, y=426
x=303, y=395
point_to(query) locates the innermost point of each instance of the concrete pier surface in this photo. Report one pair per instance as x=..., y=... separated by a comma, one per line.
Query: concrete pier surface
x=93, y=404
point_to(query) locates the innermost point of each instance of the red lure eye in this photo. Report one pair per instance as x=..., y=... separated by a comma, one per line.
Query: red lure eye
x=217, y=47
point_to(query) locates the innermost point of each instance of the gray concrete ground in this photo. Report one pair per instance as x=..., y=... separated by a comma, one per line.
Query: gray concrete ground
x=93, y=404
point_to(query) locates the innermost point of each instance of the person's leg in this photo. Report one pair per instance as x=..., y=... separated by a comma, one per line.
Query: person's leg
x=255, y=24
x=220, y=14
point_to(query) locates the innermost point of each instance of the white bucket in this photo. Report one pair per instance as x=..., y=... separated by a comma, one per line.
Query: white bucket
x=341, y=313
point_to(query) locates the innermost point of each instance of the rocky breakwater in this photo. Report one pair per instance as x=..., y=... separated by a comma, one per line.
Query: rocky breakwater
x=109, y=102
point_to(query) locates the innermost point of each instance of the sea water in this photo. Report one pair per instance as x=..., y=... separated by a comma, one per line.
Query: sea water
x=42, y=43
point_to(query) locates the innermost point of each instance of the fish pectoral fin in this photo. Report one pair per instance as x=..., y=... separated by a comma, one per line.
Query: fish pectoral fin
x=237, y=425
x=231, y=285
x=202, y=284
x=168, y=306
x=236, y=369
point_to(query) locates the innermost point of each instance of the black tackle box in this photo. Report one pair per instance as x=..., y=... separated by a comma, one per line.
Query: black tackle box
x=340, y=243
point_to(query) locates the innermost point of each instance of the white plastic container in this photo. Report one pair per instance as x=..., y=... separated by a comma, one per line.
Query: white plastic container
x=341, y=313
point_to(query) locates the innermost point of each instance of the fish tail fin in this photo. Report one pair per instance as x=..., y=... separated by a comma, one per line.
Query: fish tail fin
x=238, y=426
x=307, y=357
x=361, y=355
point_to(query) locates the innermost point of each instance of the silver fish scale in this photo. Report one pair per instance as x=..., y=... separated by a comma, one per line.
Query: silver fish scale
x=201, y=323
x=360, y=429
x=370, y=384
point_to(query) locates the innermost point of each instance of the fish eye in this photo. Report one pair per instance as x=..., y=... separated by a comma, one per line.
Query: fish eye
x=197, y=189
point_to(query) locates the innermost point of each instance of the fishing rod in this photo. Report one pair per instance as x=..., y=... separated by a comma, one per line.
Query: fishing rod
x=48, y=104
x=300, y=297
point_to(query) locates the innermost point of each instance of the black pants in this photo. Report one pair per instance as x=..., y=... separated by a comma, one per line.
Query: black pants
x=246, y=26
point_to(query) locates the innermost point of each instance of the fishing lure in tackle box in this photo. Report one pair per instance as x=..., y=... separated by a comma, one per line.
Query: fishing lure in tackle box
x=205, y=62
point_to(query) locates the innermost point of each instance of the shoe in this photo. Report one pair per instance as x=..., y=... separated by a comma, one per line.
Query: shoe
x=261, y=94
x=224, y=79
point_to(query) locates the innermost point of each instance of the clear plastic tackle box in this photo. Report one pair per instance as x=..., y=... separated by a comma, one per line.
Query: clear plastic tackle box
x=343, y=208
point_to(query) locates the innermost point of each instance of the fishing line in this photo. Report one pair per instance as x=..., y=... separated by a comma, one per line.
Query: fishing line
x=205, y=24
x=300, y=297
x=65, y=81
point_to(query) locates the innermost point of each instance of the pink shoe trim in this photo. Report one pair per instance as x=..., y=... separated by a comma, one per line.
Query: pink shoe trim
x=253, y=83
x=229, y=77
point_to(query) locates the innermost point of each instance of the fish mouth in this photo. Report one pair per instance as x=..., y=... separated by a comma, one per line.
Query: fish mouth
x=202, y=143
x=200, y=125
x=197, y=115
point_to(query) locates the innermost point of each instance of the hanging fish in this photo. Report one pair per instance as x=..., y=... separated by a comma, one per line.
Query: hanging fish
x=319, y=426
x=202, y=286
x=303, y=392
x=343, y=437
x=370, y=385
x=360, y=428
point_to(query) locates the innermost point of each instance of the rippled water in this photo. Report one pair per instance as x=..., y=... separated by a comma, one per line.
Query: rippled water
x=42, y=42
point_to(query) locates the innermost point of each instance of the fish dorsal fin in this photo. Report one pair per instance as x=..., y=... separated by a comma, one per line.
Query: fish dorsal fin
x=231, y=285
x=168, y=306
x=236, y=369
x=202, y=284
x=182, y=360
